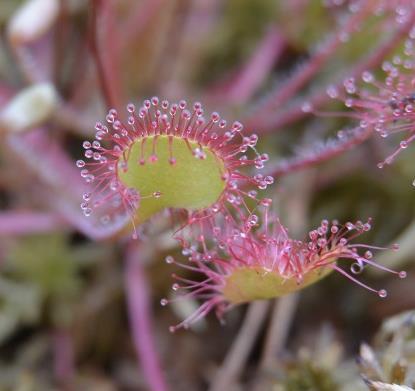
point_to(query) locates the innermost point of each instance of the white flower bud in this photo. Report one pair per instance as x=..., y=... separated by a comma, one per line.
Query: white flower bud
x=29, y=108
x=32, y=20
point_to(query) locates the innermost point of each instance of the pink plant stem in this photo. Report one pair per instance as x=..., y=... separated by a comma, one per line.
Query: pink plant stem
x=188, y=29
x=241, y=347
x=253, y=73
x=278, y=169
x=63, y=356
x=313, y=66
x=138, y=20
x=139, y=310
x=265, y=124
x=107, y=68
x=28, y=222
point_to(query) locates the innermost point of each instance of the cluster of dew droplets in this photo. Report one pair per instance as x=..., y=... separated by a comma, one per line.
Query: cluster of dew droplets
x=387, y=106
x=100, y=174
x=398, y=112
x=335, y=237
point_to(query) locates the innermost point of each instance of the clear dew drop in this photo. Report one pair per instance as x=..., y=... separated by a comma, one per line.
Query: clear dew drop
x=332, y=92
x=349, y=226
x=368, y=255
x=403, y=144
x=382, y=293
x=356, y=268
x=306, y=107
x=367, y=77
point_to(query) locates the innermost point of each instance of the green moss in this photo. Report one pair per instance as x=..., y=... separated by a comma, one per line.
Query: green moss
x=191, y=183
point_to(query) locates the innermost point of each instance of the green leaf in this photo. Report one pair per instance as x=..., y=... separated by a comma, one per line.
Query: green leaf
x=190, y=183
x=248, y=284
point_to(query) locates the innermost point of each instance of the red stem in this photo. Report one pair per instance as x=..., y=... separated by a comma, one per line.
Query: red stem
x=102, y=13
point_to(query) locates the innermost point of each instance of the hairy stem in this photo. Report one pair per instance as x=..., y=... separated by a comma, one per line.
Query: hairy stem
x=335, y=148
x=282, y=118
x=314, y=65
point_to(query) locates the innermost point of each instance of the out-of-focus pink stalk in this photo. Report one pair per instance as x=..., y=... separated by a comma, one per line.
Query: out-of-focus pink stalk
x=6, y=93
x=189, y=29
x=48, y=160
x=253, y=73
x=106, y=50
x=101, y=20
x=29, y=222
x=314, y=65
x=265, y=123
x=63, y=363
x=64, y=186
x=139, y=310
x=138, y=20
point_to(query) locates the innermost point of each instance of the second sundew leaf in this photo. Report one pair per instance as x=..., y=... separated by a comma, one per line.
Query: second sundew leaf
x=169, y=156
x=266, y=263
x=190, y=182
x=247, y=284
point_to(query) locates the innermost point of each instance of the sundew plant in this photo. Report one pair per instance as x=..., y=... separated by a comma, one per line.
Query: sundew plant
x=207, y=195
